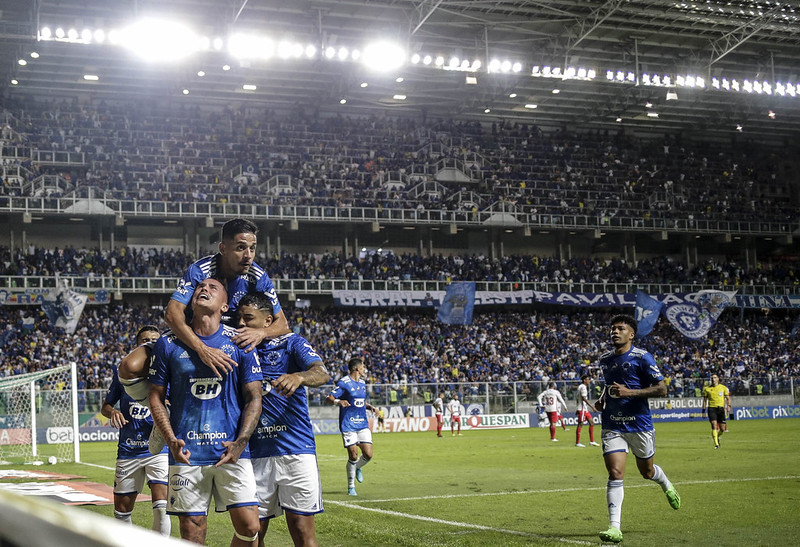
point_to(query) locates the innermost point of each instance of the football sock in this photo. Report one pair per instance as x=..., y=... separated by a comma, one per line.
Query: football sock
x=615, y=493
x=661, y=478
x=578, y=434
x=161, y=521
x=552, y=431
x=361, y=462
x=124, y=517
x=351, y=473
x=715, y=436
x=591, y=432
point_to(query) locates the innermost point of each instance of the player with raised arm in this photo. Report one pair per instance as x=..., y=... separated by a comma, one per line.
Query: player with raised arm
x=282, y=448
x=350, y=396
x=135, y=464
x=631, y=377
x=211, y=422
x=550, y=399
x=583, y=414
x=234, y=266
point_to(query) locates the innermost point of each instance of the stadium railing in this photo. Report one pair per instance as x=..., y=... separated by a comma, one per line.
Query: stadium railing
x=167, y=285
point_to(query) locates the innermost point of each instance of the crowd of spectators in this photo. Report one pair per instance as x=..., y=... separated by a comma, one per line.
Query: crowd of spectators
x=251, y=155
x=403, y=347
x=133, y=262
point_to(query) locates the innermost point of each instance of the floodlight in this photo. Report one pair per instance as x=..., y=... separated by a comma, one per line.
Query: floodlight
x=355, y=55
x=185, y=92
x=246, y=46
x=735, y=85
x=399, y=97
x=285, y=49
x=476, y=64
x=201, y=73
x=546, y=71
x=217, y=43
x=505, y=66
x=342, y=101
x=715, y=83
x=249, y=87
x=531, y=106
x=771, y=114
x=516, y=67
x=780, y=89
x=226, y=68
x=310, y=51
x=204, y=43
x=14, y=82
x=619, y=120
x=512, y=95
x=747, y=86
x=757, y=87
x=464, y=64
x=46, y=33
x=620, y=76
x=557, y=71
x=570, y=72
x=726, y=84
x=666, y=80
x=91, y=77
x=399, y=79
x=22, y=62
x=114, y=36
x=591, y=74
x=384, y=56
x=680, y=81
x=439, y=61
x=86, y=35
x=160, y=40
x=454, y=62
x=652, y=114
x=60, y=32
x=646, y=79
x=609, y=75
x=494, y=65
x=631, y=77
x=767, y=87
x=427, y=60
x=364, y=84
x=72, y=34
x=100, y=36
x=535, y=70
x=582, y=73
x=330, y=52
x=556, y=91
x=342, y=53
x=487, y=110
x=415, y=58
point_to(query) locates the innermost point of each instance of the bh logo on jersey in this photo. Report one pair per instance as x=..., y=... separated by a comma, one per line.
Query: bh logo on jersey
x=358, y=403
x=139, y=412
x=206, y=388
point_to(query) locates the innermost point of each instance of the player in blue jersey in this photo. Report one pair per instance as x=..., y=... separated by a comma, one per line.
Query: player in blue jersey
x=350, y=396
x=234, y=265
x=210, y=423
x=631, y=377
x=282, y=447
x=134, y=461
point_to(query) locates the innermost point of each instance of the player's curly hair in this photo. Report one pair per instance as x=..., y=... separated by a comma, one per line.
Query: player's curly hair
x=627, y=319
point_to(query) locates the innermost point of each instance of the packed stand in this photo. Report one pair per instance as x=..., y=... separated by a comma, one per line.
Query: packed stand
x=255, y=156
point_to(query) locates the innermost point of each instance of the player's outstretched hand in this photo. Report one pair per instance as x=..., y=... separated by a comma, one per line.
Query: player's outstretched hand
x=233, y=449
x=178, y=451
x=249, y=338
x=217, y=360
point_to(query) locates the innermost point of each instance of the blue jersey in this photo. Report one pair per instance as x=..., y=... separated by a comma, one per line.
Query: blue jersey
x=635, y=369
x=285, y=427
x=255, y=281
x=353, y=417
x=204, y=409
x=134, y=435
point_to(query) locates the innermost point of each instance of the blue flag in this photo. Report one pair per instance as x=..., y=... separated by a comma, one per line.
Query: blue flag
x=698, y=315
x=647, y=312
x=458, y=303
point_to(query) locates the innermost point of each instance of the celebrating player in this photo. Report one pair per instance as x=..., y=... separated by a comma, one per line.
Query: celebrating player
x=282, y=448
x=350, y=396
x=631, y=377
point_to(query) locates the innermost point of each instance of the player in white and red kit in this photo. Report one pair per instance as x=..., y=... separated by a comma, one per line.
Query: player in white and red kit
x=583, y=413
x=549, y=399
x=438, y=410
x=455, y=409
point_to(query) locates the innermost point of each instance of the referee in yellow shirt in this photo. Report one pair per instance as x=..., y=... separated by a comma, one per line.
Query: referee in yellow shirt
x=718, y=400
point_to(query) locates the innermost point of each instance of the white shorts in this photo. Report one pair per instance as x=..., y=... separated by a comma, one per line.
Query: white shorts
x=642, y=443
x=288, y=483
x=357, y=437
x=192, y=487
x=130, y=475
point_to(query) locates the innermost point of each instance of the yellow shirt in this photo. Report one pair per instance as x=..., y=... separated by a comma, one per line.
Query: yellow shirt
x=716, y=395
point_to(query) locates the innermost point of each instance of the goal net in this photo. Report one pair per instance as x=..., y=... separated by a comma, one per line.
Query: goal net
x=39, y=416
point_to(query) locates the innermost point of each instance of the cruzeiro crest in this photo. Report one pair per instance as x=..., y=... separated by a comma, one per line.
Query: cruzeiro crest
x=688, y=319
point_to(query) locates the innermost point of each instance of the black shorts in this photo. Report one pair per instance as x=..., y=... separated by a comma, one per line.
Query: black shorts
x=716, y=414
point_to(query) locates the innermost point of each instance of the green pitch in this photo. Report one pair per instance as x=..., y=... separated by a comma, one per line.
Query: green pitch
x=515, y=487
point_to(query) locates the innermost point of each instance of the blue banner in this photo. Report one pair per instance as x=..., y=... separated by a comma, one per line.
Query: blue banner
x=647, y=312
x=458, y=304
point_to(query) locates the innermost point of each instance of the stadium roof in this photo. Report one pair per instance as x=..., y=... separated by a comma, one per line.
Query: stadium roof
x=683, y=40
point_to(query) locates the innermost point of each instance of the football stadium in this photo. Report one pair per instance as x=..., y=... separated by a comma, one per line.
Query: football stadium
x=399, y=272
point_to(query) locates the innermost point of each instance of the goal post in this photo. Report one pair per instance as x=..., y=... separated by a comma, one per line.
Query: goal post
x=39, y=416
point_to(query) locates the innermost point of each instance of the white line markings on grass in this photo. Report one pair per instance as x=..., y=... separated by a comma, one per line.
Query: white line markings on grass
x=460, y=524
x=97, y=465
x=583, y=489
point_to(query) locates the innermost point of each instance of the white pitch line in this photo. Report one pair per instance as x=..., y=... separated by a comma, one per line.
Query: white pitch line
x=97, y=465
x=561, y=490
x=460, y=524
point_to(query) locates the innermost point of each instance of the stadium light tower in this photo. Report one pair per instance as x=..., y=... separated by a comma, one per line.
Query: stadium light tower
x=383, y=56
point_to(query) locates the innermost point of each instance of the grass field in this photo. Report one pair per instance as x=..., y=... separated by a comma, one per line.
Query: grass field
x=515, y=487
